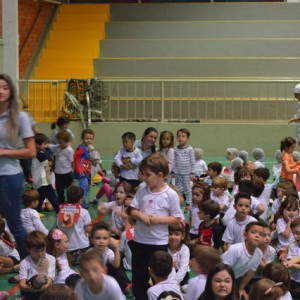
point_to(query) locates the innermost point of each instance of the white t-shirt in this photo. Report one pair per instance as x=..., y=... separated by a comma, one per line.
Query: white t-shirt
x=78, y=238
x=294, y=250
x=168, y=154
x=238, y=257
x=181, y=260
x=6, y=250
x=265, y=204
x=223, y=200
x=110, y=290
x=168, y=285
x=196, y=286
x=31, y=221
x=65, y=270
x=200, y=167
x=194, y=218
x=234, y=232
x=269, y=254
x=28, y=267
x=63, y=159
x=164, y=203
x=125, y=248
x=280, y=227
x=275, y=206
x=117, y=221
x=286, y=296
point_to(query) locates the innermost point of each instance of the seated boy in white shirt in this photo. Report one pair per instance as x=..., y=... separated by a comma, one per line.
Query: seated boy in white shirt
x=245, y=257
x=160, y=267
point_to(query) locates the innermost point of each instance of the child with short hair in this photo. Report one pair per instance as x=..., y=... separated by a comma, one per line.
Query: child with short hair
x=40, y=170
x=219, y=194
x=245, y=257
x=128, y=159
x=293, y=257
x=257, y=197
x=160, y=267
x=29, y=216
x=214, y=169
x=209, y=232
x=154, y=207
x=95, y=284
x=82, y=163
x=75, y=221
x=200, y=164
x=37, y=270
x=62, y=123
x=184, y=165
x=64, y=161
x=203, y=259
x=200, y=193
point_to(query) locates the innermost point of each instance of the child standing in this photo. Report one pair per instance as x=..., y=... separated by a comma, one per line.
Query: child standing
x=37, y=270
x=30, y=217
x=76, y=222
x=289, y=166
x=58, y=245
x=154, y=207
x=245, y=257
x=62, y=123
x=200, y=164
x=166, y=147
x=160, y=266
x=203, y=259
x=95, y=284
x=41, y=172
x=200, y=193
x=63, y=167
x=184, y=165
x=235, y=228
x=209, y=233
x=177, y=248
x=128, y=159
x=117, y=209
x=82, y=163
x=288, y=211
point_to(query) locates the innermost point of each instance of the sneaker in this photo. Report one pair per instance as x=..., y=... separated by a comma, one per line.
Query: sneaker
x=41, y=215
x=93, y=202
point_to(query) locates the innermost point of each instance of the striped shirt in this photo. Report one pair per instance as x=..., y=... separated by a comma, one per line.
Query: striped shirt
x=184, y=160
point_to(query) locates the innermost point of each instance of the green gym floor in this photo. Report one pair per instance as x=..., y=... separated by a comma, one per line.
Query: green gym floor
x=49, y=218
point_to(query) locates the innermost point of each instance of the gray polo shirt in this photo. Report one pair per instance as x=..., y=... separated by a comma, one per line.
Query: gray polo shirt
x=11, y=166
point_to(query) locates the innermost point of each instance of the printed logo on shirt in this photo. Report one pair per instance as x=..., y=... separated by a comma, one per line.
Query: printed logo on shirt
x=69, y=214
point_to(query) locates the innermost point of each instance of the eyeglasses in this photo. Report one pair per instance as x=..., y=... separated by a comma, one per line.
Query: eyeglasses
x=268, y=291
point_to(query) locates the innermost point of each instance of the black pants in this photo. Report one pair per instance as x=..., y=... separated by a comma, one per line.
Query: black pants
x=119, y=274
x=295, y=289
x=48, y=192
x=62, y=182
x=141, y=254
x=72, y=280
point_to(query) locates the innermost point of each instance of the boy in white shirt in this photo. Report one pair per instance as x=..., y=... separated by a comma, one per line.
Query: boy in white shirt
x=95, y=284
x=64, y=163
x=75, y=221
x=128, y=159
x=234, y=231
x=29, y=216
x=219, y=194
x=154, y=207
x=38, y=269
x=214, y=170
x=160, y=267
x=245, y=257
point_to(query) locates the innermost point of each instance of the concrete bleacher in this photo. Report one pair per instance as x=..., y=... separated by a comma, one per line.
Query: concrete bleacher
x=201, y=40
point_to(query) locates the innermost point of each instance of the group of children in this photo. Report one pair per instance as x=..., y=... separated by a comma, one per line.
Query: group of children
x=227, y=231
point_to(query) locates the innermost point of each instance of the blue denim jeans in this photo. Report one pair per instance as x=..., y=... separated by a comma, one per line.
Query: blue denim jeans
x=11, y=190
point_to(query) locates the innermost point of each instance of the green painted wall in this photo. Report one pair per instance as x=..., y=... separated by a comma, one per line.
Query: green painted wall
x=213, y=138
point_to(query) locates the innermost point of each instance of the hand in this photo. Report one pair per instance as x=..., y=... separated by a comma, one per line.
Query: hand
x=282, y=256
x=113, y=244
x=243, y=294
x=145, y=219
x=154, y=219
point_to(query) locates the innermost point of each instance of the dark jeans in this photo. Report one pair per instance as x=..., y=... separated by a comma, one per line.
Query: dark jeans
x=62, y=182
x=141, y=254
x=11, y=190
x=48, y=192
x=26, y=167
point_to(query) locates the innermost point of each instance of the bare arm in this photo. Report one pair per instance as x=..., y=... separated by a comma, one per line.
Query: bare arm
x=246, y=279
x=114, y=245
x=28, y=151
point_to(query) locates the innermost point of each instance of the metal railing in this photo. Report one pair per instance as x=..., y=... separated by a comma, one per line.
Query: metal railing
x=167, y=100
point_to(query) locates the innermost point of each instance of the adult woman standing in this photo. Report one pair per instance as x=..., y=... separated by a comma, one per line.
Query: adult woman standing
x=14, y=124
x=147, y=143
